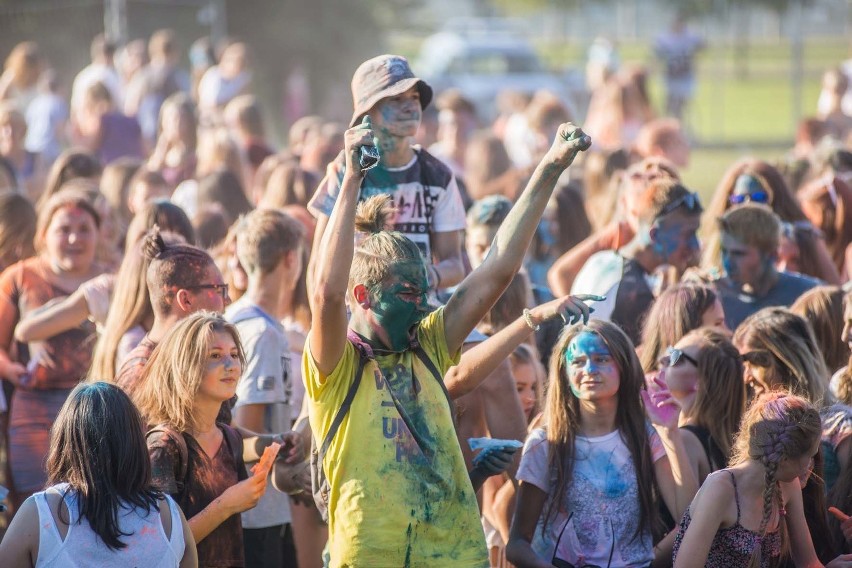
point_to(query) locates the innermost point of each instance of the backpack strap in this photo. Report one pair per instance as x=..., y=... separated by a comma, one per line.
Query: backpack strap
x=347, y=403
x=424, y=358
x=166, y=431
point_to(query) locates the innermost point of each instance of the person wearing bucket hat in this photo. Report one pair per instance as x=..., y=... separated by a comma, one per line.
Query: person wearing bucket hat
x=428, y=205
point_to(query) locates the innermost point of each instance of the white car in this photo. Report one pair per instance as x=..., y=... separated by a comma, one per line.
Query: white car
x=481, y=61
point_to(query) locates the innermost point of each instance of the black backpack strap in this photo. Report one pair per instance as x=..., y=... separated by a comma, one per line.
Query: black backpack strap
x=424, y=358
x=166, y=431
x=344, y=407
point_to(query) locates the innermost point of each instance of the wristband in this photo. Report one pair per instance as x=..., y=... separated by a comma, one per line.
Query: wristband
x=529, y=321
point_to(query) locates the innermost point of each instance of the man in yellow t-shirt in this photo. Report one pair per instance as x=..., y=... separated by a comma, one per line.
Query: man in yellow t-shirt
x=392, y=501
x=399, y=494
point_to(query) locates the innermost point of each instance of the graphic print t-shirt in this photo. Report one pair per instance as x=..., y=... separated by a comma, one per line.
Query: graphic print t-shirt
x=397, y=497
x=600, y=512
x=425, y=195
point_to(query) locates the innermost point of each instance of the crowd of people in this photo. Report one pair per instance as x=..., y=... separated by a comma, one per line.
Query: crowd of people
x=504, y=343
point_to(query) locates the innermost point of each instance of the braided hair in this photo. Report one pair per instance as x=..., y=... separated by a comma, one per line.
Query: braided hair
x=776, y=426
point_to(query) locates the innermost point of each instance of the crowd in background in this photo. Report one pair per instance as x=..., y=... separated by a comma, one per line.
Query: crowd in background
x=176, y=298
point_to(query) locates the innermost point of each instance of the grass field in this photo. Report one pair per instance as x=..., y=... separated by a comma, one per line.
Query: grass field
x=744, y=105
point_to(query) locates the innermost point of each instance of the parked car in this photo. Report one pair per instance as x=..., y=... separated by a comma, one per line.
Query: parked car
x=483, y=57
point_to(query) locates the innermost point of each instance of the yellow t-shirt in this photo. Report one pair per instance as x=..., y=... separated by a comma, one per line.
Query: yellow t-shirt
x=392, y=502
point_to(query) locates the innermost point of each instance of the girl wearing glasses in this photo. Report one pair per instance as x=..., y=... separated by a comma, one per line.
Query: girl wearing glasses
x=748, y=514
x=587, y=478
x=755, y=181
x=704, y=374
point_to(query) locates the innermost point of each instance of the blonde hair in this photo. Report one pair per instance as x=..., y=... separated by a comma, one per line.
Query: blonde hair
x=754, y=225
x=264, y=236
x=24, y=63
x=170, y=381
x=380, y=249
x=777, y=425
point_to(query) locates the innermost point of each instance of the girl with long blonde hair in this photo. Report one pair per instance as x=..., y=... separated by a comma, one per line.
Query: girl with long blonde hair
x=194, y=458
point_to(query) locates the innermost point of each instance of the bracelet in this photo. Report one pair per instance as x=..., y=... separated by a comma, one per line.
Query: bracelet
x=529, y=321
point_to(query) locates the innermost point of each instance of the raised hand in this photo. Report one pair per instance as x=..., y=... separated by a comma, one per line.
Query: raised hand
x=569, y=141
x=353, y=139
x=660, y=406
x=572, y=309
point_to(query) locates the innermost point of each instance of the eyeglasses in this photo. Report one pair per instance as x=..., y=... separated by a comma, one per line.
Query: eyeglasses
x=221, y=288
x=673, y=356
x=559, y=563
x=758, y=358
x=690, y=200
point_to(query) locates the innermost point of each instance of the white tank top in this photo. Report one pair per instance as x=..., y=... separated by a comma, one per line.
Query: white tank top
x=147, y=545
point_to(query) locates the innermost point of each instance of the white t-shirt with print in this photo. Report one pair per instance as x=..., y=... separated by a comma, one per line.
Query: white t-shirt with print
x=600, y=512
x=425, y=195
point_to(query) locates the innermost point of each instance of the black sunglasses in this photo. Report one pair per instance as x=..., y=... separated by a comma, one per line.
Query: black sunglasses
x=673, y=356
x=221, y=288
x=689, y=200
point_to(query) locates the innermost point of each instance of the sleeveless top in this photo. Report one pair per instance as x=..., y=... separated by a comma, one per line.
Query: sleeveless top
x=633, y=299
x=147, y=544
x=733, y=546
x=715, y=458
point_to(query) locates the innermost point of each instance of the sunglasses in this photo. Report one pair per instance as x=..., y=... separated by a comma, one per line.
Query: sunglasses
x=756, y=197
x=689, y=200
x=758, y=358
x=221, y=288
x=674, y=356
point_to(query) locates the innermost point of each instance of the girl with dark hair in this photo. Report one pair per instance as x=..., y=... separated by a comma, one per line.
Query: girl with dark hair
x=99, y=508
x=589, y=477
x=71, y=164
x=726, y=525
x=165, y=215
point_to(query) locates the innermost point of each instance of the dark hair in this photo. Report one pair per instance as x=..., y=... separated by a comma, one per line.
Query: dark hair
x=72, y=163
x=224, y=187
x=166, y=215
x=98, y=447
x=562, y=416
x=173, y=266
x=677, y=311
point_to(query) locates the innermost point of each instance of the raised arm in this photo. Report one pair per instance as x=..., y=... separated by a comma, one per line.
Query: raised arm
x=480, y=361
x=327, y=337
x=478, y=292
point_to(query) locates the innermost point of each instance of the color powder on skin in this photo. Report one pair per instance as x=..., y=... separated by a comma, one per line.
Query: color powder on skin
x=588, y=346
